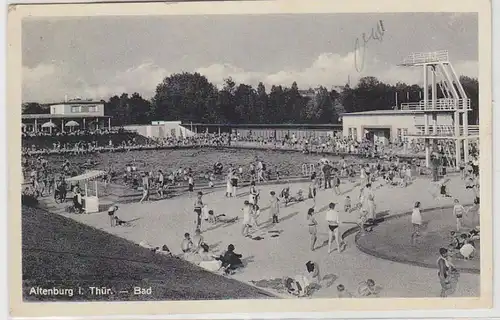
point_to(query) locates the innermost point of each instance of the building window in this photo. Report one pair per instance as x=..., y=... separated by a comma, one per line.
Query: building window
x=349, y=132
x=398, y=134
x=172, y=132
x=92, y=109
x=355, y=133
x=75, y=109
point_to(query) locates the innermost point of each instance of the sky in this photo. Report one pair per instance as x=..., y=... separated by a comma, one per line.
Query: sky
x=98, y=57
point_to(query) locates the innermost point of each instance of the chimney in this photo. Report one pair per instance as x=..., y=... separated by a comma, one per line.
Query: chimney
x=66, y=98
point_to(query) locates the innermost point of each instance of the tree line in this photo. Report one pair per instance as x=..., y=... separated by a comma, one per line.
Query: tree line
x=191, y=97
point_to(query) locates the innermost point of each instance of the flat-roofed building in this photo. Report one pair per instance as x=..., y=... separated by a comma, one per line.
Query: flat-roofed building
x=67, y=116
x=388, y=125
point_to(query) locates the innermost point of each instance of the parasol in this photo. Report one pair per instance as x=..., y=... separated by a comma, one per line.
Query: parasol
x=49, y=124
x=72, y=124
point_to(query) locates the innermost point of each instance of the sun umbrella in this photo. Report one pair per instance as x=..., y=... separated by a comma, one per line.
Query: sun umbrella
x=49, y=124
x=72, y=124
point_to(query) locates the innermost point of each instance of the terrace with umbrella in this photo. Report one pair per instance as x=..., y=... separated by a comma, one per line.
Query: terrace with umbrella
x=49, y=125
x=72, y=125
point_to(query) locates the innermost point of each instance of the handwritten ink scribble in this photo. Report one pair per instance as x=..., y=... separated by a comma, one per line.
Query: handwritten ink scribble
x=360, y=44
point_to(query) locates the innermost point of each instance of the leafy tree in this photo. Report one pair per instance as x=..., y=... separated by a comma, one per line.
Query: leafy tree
x=276, y=106
x=186, y=96
x=34, y=108
x=261, y=104
x=471, y=88
x=139, y=110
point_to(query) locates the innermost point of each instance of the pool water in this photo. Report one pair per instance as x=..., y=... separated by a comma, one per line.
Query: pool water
x=201, y=161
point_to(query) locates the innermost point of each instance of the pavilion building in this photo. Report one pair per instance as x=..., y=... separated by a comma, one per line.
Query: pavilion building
x=68, y=116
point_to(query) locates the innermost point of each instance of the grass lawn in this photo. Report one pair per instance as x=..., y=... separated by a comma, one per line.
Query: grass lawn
x=59, y=252
x=392, y=240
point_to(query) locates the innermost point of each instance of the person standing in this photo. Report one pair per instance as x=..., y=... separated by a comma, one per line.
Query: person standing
x=416, y=221
x=111, y=214
x=234, y=182
x=145, y=187
x=336, y=183
x=369, y=199
x=458, y=212
x=445, y=272
x=260, y=171
x=313, y=187
x=161, y=183
x=229, y=187
x=252, y=172
x=198, y=206
x=327, y=172
x=274, y=207
x=254, y=193
x=332, y=218
x=247, y=211
x=190, y=184
x=312, y=225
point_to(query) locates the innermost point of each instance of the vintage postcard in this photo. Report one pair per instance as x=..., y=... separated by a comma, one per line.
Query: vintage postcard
x=251, y=156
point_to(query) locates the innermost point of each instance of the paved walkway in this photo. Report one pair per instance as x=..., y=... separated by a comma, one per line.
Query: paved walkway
x=165, y=222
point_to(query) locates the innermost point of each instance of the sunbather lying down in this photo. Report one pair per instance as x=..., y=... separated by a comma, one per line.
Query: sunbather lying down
x=303, y=285
x=122, y=223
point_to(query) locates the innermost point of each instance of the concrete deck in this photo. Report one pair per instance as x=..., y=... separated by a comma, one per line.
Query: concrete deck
x=165, y=222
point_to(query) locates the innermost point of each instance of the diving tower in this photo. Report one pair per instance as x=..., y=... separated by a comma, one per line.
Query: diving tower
x=438, y=72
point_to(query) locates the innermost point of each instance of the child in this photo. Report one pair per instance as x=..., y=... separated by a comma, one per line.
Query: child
x=416, y=221
x=247, y=212
x=119, y=222
x=312, y=224
x=111, y=213
x=342, y=292
x=254, y=193
x=336, y=180
x=368, y=289
x=443, y=190
x=467, y=250
x=458, y=212
x=312, y=186
x=274, y=207
x=211, y=217
x=285, y=195
x=255, y=215
x=347, y=204
x=198, y=207
x=191, y=185
x=186, y=244
x=455, y=242
x=165, y=250
x=300, y=196
x=362, y=218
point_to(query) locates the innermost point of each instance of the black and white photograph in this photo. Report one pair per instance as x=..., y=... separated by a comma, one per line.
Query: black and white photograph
x=195, y=157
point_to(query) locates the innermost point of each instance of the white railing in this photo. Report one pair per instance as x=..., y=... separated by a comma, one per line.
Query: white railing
x=426, y=57
x=441, y=104
x=472, y=130
x=447, y=130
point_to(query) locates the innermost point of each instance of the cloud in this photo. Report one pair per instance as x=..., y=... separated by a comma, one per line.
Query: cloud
x=49, y=83
x=328, y=70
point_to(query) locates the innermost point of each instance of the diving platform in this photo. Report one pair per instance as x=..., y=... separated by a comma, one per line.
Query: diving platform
x=446, y=132
x=421, y=58
x=443, y=93
x=438, y=105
